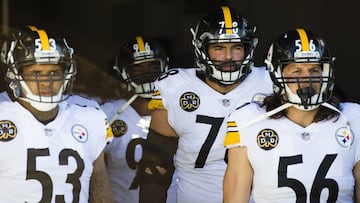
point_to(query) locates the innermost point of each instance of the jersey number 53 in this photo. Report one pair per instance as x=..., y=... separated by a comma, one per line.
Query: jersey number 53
x=45, y=179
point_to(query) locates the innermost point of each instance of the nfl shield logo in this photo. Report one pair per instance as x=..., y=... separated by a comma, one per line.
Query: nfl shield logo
x=226, y=102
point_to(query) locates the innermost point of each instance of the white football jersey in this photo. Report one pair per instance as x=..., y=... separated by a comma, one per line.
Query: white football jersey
x=83, y=101
x=53, y=162
x=72, y=99
x=4, y=96
x=292, y=163
x=197, y=113
x=122, y=155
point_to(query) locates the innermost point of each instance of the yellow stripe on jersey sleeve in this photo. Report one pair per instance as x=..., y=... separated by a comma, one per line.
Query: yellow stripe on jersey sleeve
x=109, y=134
x=232, y=138
x=231, y=124
x=156, y=93
x=155, y=104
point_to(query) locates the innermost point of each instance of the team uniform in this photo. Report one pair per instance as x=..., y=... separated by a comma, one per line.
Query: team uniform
x=197, y=113
x=72, y=99
x=83, y=101
x=299, y=164
x=122, y=156
x=53, y=162
x=4, y=96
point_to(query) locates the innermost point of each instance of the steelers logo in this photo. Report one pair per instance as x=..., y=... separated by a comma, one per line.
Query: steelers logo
x=344, y=137
x=80, y=133
x=119, y=128
x=267, y=139
x=189, y=101
x=258, y=98
x=8, y=131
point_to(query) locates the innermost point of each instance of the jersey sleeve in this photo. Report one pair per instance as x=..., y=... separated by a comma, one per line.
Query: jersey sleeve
x=351, y=111
x=156, y=101
x=237, y=124
x=165, y=89
x=100, y=133
x=82, y=101
x=232, y=137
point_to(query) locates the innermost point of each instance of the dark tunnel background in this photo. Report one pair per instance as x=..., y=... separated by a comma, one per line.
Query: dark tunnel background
x=96, y=28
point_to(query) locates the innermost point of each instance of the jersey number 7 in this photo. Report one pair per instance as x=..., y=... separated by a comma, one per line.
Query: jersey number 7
x=210, y=139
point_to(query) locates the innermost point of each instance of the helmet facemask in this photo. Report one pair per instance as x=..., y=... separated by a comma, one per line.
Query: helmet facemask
x=311, y=91
x=58, y=88
x=301, y=46
x=141, y=75
x=139, y=63
x=226, y=72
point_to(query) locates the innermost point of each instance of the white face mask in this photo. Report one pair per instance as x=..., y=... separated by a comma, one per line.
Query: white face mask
x=294, y=98
x=41, y=106
x=41, y=103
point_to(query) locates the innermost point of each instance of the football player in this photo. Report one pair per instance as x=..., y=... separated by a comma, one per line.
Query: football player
x=79, y=99
x=51, y=151
x=302, y=146
x=137, y=65
x=190, y=105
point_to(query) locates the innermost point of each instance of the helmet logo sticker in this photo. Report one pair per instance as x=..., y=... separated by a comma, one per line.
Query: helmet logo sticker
x=119, y=128
x=189, y=101
x=79, y=133
x=8, y=131
x=267, y=139
x=344, y=137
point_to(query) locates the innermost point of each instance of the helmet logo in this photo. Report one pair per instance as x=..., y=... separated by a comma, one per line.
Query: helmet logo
x=189, y=101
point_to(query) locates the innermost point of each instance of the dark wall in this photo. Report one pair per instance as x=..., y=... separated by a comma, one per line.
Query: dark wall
x=336, y=21
x=95, y=28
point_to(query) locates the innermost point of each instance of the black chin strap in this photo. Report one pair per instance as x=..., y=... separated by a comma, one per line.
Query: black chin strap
x=305, y=95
